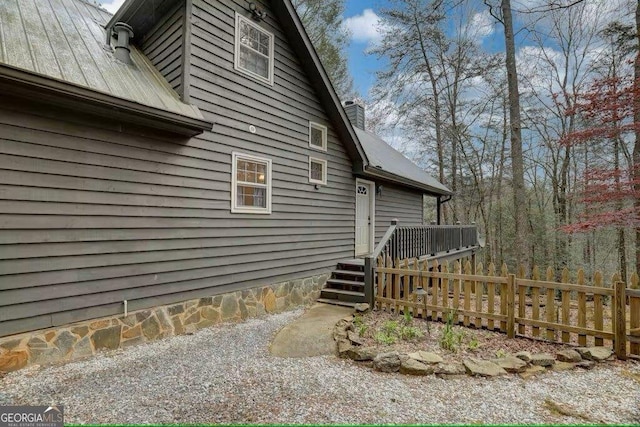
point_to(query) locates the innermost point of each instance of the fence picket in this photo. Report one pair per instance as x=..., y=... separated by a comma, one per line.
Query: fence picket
x=479, y=289
x=457, y=268
x=436, y=283
x=598, y=308
x=445, y=291
x=522, y=295
x=566, y=306
x=535, y=302
x=467, y=294
x=413, y=283
x=634, y=323
x=550, y=306
x=504, y=272
x=582, y=309
x=491, y=295
x=396, y=286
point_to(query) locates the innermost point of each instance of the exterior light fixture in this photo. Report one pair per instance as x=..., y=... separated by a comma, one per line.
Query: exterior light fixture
x=257, y=13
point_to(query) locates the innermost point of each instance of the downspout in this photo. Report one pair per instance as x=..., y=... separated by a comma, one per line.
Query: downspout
x=440, y=202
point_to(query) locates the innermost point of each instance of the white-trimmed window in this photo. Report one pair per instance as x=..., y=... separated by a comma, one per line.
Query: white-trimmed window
x=250, y=184
x=317, y=136
x=317, y=171
x=254, y=50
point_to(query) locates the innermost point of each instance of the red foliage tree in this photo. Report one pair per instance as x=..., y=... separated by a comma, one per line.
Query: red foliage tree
x=610, y=189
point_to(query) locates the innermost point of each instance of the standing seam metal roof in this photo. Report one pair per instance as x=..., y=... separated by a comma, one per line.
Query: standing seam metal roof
x=64, y=40
x=382, y=155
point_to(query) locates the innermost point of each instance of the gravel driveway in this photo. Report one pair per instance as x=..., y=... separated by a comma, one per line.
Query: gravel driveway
x=226, y=375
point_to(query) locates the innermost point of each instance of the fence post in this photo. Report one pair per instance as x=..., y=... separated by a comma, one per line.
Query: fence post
x=620, y=321
x=369, y=291
x=511, y=306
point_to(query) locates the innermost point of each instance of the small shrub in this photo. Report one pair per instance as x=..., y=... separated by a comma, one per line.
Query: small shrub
x=409, y=333
x=501, y=354
x=384, y=338
x=358, y=321
x=474, y=343
x=390, y=327
x=450, y=338
x=362, y=329
x=408, y=318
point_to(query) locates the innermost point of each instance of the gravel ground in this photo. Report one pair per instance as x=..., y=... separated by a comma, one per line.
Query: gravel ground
x=226, y=375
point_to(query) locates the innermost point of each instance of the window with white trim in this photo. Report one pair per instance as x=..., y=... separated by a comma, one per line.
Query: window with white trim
x=317, y=136
x=250, y=184
x=317, y=171
x=254, y=50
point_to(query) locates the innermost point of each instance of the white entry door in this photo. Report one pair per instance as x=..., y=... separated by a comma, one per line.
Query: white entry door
x=364, y=216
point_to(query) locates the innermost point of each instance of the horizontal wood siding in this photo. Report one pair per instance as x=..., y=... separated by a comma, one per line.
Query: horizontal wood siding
x=400, y=203
x=163, y=46
x=93, y=213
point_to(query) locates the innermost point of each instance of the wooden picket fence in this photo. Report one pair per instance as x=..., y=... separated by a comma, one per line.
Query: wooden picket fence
x=580, y=312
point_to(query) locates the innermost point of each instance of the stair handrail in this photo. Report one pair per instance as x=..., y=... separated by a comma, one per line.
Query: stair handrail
x=369, y=263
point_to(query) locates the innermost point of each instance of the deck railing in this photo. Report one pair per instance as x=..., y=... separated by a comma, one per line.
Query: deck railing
x=404, y=242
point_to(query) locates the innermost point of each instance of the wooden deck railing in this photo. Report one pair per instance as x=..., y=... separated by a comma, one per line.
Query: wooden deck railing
x=404, y=242
x=539, y=307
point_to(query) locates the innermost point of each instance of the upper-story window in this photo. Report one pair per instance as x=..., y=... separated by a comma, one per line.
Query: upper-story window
x=254, y=50
x=317, y=136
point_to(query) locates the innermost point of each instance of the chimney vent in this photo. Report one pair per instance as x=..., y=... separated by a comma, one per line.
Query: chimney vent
x=355, y=113
x=123, y=33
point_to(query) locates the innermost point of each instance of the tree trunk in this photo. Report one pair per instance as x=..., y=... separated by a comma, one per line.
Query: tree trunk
x=636, y=145
x=517, y=162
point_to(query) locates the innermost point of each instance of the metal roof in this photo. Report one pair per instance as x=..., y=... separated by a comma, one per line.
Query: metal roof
x=386, y=158
x=64, y=40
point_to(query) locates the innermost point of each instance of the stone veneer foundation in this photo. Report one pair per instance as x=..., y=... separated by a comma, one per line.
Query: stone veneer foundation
x=84, y=339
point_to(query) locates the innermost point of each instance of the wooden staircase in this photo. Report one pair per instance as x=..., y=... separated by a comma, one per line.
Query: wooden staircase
x=346, y=285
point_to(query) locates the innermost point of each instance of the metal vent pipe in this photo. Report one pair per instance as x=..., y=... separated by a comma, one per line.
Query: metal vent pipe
x=123, y=33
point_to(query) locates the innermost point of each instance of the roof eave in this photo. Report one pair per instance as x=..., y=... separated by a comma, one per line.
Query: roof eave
x=375, y=172
x=290, y=21
x=21, y=82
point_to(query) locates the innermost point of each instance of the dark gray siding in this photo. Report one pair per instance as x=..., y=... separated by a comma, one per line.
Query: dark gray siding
x=400, y=203
x=91, y=214
x=163, y=46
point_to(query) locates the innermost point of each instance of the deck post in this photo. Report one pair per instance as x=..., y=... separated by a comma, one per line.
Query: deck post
x=369, y=291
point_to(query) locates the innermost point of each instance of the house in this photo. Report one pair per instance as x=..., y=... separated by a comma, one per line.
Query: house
x=180, y=163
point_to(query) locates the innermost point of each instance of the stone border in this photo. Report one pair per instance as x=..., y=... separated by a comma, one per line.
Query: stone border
x=84, y=339
x=526, y=364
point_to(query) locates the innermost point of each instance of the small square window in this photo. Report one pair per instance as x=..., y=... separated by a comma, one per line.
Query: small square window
x=317, y=136
x=250, y=184
x=253, y=50
x=317, y=171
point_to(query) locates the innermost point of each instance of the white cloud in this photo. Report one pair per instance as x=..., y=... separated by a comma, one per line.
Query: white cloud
x=482, y=24
x=113, y=5
x=365, y=27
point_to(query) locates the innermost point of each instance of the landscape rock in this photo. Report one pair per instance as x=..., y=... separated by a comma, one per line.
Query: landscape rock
x=355, y=338
x=543, y=359
x=344, y=346
x=511, y=364
x=532, y=371
x=569, y=355
x=387, y=362
x=524, y=355
x=586, y=364
x=482, y=368
x=426, y=357
x=414, y=367
x=597, y=354
x=361, y=354
x=563, y=366
x=361, y=307
x=448, y=370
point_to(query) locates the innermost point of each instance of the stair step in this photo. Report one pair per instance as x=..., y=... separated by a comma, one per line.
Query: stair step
x=336, y=302
x=342, y=295
x=345, y=282
x=349, y=272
